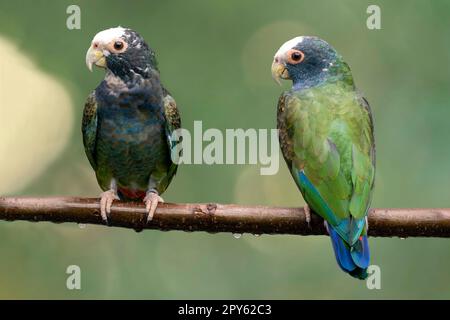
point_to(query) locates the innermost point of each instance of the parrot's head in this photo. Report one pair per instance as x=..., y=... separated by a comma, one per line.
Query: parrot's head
x=121, y=50
x=306, y=59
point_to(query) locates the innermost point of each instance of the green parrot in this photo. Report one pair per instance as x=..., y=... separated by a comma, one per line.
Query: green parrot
x=128, y=122
x=326, y=136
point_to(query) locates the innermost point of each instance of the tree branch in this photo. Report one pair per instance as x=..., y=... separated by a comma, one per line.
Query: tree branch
x=214, y=217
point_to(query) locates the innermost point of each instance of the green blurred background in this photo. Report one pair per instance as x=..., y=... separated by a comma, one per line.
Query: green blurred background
x=215, y=58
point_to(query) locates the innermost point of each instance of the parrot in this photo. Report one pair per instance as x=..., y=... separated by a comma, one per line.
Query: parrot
x=128, y=122
x=325, y=130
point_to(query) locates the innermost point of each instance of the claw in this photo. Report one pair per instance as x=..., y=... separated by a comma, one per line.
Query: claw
x=307, y=211
x=106, y=200
x=151, y=201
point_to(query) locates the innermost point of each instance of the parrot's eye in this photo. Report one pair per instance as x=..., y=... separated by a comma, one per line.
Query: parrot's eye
x=295, y=56
x=118, y=45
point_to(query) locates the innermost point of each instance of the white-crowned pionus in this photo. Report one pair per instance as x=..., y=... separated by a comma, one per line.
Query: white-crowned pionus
x=326, y=135
x=128, y=121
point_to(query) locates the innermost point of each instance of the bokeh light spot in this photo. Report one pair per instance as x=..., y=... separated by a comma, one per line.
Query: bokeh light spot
x=35, y=119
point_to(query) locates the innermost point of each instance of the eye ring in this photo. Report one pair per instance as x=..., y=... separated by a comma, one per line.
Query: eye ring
x=295, y=56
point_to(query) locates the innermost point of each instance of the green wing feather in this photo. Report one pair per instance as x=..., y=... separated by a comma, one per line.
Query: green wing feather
x=173, y=122
x=171, y=113
x=326, y=135
x=89, y=129
x=363, y=173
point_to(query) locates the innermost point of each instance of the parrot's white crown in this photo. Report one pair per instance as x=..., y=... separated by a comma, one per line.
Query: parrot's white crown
x=288, y=45
x=108, y=35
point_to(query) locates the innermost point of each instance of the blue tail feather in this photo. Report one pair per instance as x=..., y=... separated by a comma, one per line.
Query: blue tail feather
x=355, y=259
x=360, y=252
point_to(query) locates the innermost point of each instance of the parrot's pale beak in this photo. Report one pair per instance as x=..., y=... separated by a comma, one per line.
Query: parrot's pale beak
x=95, y=56
x=279, y=71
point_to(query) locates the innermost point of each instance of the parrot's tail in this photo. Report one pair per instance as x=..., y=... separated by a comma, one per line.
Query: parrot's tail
x=355, y=259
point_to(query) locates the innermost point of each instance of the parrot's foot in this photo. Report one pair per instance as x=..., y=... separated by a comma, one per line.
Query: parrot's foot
x=307, y=211
x=106, y=200
x=151, y=201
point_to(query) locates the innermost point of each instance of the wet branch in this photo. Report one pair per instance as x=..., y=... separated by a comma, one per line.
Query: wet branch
x=214, y=217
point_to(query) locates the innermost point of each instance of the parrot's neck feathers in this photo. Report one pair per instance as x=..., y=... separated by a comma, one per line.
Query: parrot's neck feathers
x=128, y=73
x=130, y=78
x=334, y=72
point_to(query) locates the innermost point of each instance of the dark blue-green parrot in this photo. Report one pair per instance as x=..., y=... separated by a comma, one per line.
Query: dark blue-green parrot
x=326, y=136
x=128, y=122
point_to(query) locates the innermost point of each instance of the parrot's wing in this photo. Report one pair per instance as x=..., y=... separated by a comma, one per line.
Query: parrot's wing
x=314, y=164
x=363, y=169
x=89, y=128
x=173, y=122
x=321, y=172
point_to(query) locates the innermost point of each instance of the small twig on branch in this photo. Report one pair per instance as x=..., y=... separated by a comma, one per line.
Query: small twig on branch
x=214, y=217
